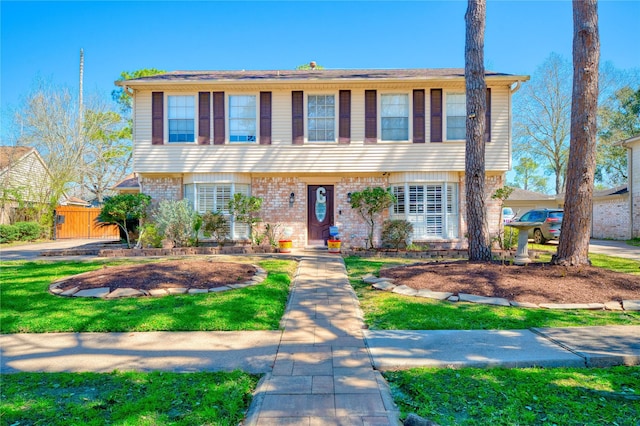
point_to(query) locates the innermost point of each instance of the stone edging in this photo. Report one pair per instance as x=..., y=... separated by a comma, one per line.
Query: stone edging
x=106, y=293
x=387, y=284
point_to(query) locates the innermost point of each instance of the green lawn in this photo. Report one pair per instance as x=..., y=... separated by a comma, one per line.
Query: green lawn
x=126, y=398
x=558, y=396
x=27, y=307
x=388, y=311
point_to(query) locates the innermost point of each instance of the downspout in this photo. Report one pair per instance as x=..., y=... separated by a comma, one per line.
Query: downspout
x=630, y=189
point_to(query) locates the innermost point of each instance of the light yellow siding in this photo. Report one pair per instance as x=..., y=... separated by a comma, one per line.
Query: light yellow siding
x=282, y=157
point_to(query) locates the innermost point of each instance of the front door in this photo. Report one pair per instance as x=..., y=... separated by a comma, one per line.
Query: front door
x=319, y=213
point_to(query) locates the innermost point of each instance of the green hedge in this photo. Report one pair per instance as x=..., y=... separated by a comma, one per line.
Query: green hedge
x=20, y=231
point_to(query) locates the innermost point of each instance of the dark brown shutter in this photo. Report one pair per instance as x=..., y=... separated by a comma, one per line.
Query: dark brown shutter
x=370, y=117
x=297, y=117
x=418, y=116
x=265, y=118
x=344, y=123
x=157, y=118
x=436, y=115
x=487, y=129
x=204, y=118
x=218, y=118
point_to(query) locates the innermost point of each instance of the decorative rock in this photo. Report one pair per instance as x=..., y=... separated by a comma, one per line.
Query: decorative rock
x=241, y=285
x=613, y=306
x=179, y=290
x=482, y=299
x=415, y=420
x=55, y=290
x=370, y=279
x=124, y=292
x=405, y=290
x=158, y=292
x=384, y=285
x=93, y=292
x=198, y=290
x=454, y=299
x=70, y=292
x=219, y=289
x=592, y=306
x=523, y=304
x=438, y=295
x=631, y=305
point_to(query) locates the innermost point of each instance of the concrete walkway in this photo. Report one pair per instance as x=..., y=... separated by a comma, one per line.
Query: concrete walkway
x=323, y=367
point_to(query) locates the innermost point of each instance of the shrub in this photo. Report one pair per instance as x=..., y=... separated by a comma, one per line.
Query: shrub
x=175, y=221
x=245, y=209
x=122, y=208
x=369, y=203
x=28, y=231
x=8, y=233
x=214, y=225
x=149, y=236
x=396, y=233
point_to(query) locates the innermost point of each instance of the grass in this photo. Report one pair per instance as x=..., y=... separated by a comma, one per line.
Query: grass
x=520, y=396
x=27, y=307
x=388, y=311
x=126, y=398
x=634, y=242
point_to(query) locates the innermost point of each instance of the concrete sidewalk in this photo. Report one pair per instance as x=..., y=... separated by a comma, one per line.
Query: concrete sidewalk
x=323, y=368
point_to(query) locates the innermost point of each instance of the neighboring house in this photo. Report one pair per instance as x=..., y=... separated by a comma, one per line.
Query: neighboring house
x=128, y=185
x=611, y=218
x=25, y=183
x=522, y=200
x=633, y=175
x=303, y=141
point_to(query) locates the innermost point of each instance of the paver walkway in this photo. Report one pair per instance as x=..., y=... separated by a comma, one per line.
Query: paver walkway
x=323, y=374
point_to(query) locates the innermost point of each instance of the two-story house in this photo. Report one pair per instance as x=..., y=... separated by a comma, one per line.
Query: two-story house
x=303, y=141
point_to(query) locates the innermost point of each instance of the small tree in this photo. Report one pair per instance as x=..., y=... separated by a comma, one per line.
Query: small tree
x=505, y=241
x=215, y=225
x=245, y=210
x=369, y=203
x=123, y=207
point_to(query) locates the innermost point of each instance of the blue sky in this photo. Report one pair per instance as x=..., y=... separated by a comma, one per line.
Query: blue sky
x=43, y=39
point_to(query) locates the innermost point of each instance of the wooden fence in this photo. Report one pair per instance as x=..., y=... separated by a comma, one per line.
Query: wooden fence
x=80, y=222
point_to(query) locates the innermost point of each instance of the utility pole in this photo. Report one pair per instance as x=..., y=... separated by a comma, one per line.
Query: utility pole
x=80, y=101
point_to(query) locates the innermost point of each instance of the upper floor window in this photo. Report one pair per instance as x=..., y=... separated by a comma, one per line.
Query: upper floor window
x=394, y=117
x=321, y=121
x=456, y=116
x=242, y=118
x=181, y=117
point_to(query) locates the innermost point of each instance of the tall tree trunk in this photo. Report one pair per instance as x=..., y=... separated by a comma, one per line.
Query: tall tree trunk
x=476, y=93
x=573, y=248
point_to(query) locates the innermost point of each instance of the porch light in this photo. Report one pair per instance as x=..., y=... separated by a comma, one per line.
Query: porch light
x=292, y=198
x=349, y=197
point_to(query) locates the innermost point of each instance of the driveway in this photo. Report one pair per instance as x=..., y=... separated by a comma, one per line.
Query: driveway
x=32, y=251
x=614, y=248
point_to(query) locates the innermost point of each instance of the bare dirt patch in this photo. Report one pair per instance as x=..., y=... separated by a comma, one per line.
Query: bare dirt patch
x=534, y=283
x=168, y=274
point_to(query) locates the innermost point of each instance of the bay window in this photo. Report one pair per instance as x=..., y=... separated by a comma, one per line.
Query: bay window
x=211, y=197
x=431, y=208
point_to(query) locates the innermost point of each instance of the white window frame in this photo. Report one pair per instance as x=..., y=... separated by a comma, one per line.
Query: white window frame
x=445, y=115
x=409, y=95
x=166, y=117
x=336, y=106
x=448, y=211
x=228, y=118
x=237, y=231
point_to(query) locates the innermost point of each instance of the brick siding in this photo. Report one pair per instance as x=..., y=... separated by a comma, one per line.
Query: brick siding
x=611, y=218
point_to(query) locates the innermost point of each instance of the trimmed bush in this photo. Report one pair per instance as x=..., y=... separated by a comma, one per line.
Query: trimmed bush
x=396, y=233
x=8, y=233
x=28, y=231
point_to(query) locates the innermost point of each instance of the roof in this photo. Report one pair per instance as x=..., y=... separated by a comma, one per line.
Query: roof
x=519, y=194
x=618, y=190
x=310, y=75
x=129, y=182
x=11, y=154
